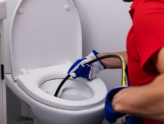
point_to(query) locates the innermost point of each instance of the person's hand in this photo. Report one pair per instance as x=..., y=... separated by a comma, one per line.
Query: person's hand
x=111, y=116
x=78, y=69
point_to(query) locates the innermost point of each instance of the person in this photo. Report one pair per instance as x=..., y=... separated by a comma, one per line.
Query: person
x=144, y=97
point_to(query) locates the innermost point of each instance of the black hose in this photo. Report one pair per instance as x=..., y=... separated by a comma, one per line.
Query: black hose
x=89, y=63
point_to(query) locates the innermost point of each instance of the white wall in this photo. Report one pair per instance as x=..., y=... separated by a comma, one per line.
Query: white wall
x=105, y=24
x=10, y=5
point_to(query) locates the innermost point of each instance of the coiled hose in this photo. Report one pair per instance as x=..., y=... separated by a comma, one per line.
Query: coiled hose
x=123, y=83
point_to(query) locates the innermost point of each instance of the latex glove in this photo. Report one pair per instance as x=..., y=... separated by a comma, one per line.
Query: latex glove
x=111, y=116
x=78, y=69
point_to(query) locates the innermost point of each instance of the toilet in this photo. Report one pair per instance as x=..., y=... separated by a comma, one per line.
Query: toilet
x=45, y=39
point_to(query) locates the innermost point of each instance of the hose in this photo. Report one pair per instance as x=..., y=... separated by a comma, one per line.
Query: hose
x=123, y=83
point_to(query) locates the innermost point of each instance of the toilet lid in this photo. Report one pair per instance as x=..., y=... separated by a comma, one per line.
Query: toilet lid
x=44, y=33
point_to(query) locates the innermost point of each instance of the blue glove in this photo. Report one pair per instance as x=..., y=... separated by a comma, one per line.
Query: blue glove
x=78, y=69
x=111, y=116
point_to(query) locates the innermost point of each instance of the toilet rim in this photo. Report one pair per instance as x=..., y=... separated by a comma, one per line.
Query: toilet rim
x=31, y=82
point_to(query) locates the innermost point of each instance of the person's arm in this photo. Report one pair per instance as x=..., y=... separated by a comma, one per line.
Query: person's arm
x=112, y=63
x=144, y=101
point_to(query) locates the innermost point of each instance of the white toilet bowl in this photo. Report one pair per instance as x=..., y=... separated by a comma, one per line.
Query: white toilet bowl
x=68, y=108
x=44, y=34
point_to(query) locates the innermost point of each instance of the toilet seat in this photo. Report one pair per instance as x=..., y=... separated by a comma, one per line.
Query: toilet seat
x=31, y=81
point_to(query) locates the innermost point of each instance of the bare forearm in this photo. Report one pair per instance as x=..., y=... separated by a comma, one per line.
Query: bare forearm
x=113, y=62
x=144, y=101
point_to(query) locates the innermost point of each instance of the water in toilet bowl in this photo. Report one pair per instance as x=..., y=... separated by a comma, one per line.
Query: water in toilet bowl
x=75, y=90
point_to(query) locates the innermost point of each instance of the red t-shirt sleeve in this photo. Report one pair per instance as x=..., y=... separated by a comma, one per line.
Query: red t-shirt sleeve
x=148, y=28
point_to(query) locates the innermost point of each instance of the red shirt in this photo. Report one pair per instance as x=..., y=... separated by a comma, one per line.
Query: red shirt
x=145, y=37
